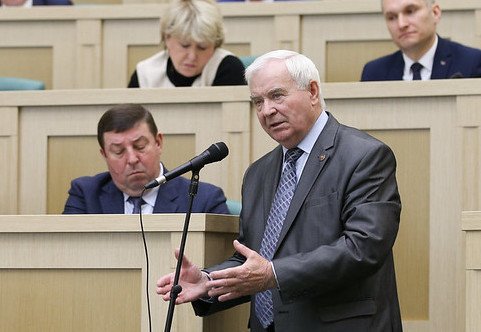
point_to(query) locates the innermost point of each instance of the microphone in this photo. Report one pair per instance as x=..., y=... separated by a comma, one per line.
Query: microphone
x=215, y=152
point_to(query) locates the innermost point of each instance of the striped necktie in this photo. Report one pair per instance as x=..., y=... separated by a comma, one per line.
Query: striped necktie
x=137, y=202
x=264, y=306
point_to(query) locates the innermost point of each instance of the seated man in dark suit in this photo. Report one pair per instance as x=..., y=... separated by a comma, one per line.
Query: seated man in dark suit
x=423, y=54
x=131, y=146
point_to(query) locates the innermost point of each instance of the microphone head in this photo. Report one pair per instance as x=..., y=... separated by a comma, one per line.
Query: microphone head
x=217, y=151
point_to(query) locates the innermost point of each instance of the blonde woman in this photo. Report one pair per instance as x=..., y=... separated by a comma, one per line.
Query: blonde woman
x=192, y=32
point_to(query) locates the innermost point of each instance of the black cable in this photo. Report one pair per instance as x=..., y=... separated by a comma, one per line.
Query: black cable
x=146, y=264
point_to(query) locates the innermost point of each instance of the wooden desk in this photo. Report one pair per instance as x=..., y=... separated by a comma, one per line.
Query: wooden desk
x=471, y=225
x=88, y=272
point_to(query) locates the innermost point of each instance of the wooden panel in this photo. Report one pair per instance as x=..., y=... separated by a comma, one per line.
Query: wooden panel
x=7, y=171
x=89, y=273
x=60, y=300
x=178, y=149
x=118, y=36
x=471, y=225
x=435, y=114
x=69, y=157
x=239, y=49
x=411, y=251
x=138, y=53
x=58, y=35
x=89, y=54
x=471, y=158
x=27, y=62
x=345, y=60
x=9, y=156
x=473, y=292
x=470, y=119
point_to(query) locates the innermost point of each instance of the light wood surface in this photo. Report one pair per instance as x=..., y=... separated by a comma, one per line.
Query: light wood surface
x=88, y=273
x=471, y=225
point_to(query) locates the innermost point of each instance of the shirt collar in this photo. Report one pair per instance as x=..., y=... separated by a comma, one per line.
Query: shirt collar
x=426, y=60
x=150, y=196
x=308, y=142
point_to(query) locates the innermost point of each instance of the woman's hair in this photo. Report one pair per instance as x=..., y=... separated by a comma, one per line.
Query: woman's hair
x=193, y=20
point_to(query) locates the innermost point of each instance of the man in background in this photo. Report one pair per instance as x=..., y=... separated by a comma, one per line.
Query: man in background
x=422, y=55
x=131, y=146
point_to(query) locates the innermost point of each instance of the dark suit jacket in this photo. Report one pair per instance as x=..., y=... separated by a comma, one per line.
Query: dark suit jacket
x=99, y=195
x=451, y=60
x=334, y=262
x=49, y=3
x=52, y=2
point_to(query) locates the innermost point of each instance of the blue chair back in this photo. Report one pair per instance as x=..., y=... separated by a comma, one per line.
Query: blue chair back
x=15, y=83
x=234, y=207
x=247, y=59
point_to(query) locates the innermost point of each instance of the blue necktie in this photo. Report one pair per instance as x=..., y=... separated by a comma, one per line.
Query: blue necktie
x=264, y=307
x=138, y=202
x=416, y=68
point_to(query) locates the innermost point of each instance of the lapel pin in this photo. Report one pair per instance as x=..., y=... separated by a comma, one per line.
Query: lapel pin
x=443, y=63
x=322, y=157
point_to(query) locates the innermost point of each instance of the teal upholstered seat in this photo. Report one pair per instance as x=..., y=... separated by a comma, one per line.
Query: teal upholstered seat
x=234, y=207
x=14, y=83
x=247, y=59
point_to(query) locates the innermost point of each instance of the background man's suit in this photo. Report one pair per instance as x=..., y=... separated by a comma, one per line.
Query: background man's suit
x=52, y=2
x=451, y=60
x=334, y=262
x=49, y=3
x=99, y=195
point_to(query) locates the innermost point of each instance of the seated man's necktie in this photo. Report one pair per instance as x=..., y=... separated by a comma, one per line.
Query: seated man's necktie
x=137, y=202
x=416, y=69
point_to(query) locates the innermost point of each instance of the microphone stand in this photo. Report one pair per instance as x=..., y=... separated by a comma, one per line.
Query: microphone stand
x=176, y=288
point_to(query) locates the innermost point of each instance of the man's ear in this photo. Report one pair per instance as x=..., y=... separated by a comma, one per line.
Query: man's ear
x=102, y=152
x=314, y=92
x=159, y=140
x=436, y=10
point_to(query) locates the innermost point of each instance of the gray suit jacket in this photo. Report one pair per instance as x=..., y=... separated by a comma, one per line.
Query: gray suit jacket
x=334, y=262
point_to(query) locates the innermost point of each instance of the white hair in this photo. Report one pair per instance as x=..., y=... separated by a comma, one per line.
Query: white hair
x=300, y=67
